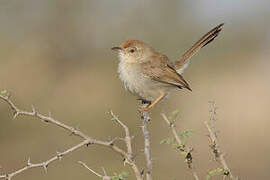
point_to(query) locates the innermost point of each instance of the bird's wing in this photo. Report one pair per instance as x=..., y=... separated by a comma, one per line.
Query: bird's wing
x=159, y=68
x=182, y=63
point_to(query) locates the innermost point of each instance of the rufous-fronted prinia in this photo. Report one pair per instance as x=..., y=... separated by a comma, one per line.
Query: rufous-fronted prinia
x=149, y=74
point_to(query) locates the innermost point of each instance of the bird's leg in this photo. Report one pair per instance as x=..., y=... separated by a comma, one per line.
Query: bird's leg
x=147, y=108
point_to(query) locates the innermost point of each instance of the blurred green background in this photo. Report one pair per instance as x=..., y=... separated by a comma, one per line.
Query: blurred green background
x=56, y=55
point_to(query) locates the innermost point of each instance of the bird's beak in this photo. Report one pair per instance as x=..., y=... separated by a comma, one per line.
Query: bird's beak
x=116, y=48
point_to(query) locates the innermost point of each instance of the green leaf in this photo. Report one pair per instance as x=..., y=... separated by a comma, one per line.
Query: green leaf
x=213, y=172
x=3, y=92
x=181, y=146
x=185, y=133
x=167, y=141
x=170, y=140
x=121, y=176
x=184, y=153
x=173, y=115
x=163, y=141
x=175, y=145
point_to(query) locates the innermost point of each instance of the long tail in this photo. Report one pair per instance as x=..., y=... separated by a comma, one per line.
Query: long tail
x=182, y=63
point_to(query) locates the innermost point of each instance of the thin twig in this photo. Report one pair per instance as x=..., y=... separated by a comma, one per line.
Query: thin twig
x=181, y=147
x=86, y=140
x=145, y=119
x=104, y=177
x=214, y=142
x=128, y=143
x=44, y=164
x=127, y=138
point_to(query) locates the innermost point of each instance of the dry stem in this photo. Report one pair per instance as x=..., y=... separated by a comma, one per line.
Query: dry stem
x=86, y=141
x=130, y=155
x=214, y=142
x=181, y=147
x=145, y=119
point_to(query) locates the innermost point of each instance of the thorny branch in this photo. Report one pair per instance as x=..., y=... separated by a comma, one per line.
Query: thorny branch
x=44, y=164
x=86, y=141
x=129, y=156
x=219, y=156
x=145, y=119
x=181, y=147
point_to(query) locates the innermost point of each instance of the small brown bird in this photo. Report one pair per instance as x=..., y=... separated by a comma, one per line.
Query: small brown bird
x=149, y=74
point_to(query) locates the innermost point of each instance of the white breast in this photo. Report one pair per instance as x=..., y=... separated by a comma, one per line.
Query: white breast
x=138, y=84
x=131, y=76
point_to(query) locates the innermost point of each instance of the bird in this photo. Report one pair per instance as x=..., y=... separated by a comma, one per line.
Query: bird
x=150, y=75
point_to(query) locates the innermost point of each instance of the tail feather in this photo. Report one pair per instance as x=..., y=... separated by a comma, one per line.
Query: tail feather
x=182, y=63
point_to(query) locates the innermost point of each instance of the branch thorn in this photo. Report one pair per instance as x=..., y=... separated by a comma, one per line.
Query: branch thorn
x=29, y=162
x=59, y=155
x=16, y=114
x=34, y=110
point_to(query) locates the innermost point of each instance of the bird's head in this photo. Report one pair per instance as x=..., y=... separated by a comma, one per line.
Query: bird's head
x=134, y=51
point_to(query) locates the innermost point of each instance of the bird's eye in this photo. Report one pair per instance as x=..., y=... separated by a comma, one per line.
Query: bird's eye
x=132, y=50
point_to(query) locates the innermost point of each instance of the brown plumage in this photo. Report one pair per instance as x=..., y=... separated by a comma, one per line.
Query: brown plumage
x=182, y=63
x=159, y=68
